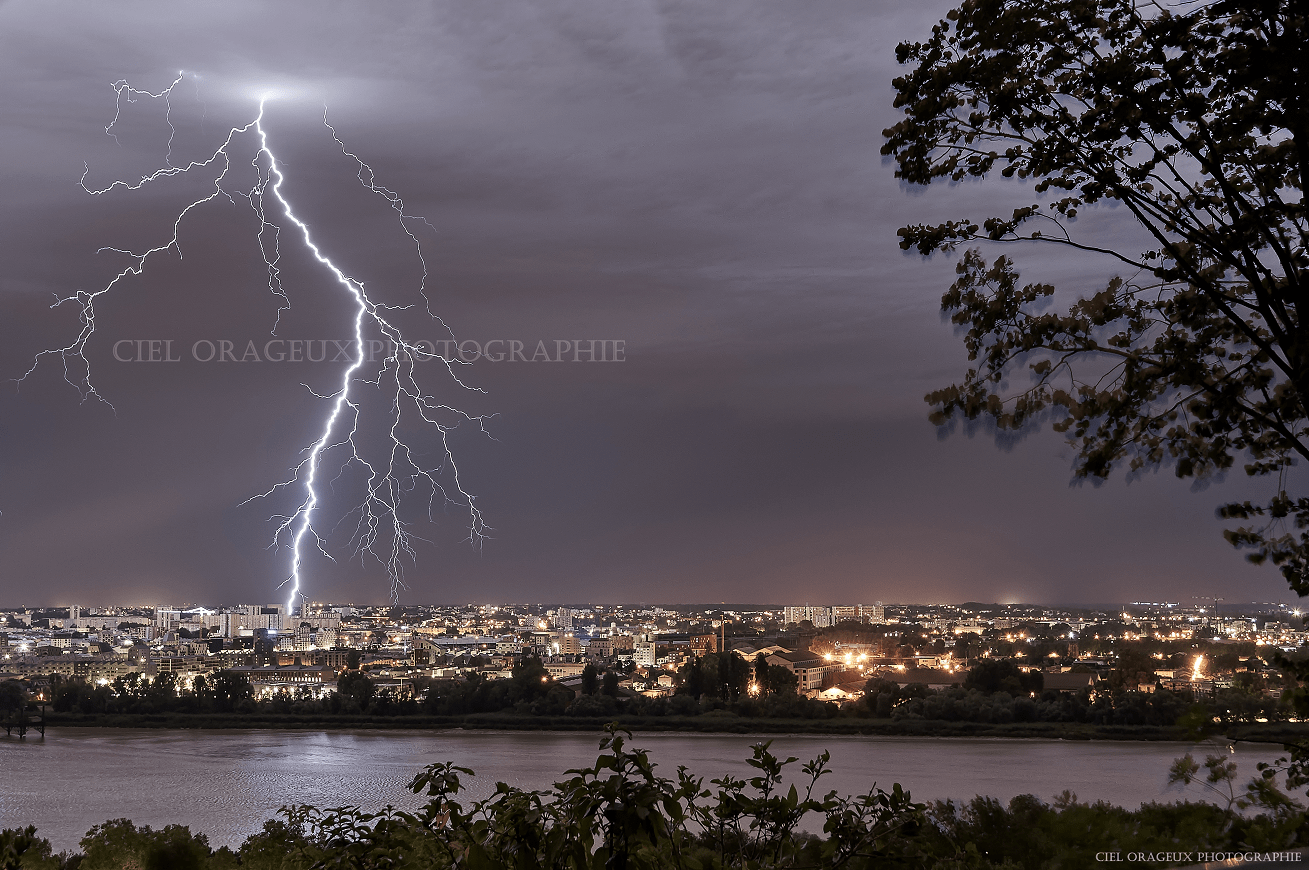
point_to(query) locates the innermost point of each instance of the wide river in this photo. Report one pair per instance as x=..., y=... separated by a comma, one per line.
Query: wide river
x=226, y=783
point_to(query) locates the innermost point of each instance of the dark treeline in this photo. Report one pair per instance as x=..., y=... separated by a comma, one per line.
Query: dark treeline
x=620, y=815
x=996, y=691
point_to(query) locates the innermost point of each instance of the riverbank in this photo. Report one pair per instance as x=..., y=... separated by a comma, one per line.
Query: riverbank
x=709, y=723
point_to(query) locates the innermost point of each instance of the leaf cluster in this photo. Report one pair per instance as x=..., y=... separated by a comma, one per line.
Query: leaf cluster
x=1194, y=121
x=618, y=813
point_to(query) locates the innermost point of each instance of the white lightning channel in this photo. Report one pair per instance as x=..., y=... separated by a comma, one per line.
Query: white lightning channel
x=390, y=476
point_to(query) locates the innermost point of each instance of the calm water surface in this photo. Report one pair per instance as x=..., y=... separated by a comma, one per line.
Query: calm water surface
x=226, y=783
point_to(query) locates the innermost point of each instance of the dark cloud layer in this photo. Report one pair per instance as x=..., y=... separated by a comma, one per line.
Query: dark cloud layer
x=699, y=180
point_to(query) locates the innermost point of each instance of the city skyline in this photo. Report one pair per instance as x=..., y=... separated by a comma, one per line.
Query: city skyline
x=281, y=651
x=679, y=181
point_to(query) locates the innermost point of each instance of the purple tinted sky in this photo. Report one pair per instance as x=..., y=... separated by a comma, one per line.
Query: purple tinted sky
x=699, y=180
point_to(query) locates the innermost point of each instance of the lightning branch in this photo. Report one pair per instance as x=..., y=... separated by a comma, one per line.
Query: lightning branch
x=394, y=474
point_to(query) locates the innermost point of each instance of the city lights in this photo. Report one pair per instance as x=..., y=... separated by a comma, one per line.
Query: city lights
x=302, y=655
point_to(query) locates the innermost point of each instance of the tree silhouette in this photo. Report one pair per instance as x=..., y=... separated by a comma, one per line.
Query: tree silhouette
x=1193, y=120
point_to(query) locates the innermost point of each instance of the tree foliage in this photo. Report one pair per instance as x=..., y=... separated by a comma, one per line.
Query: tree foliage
x=13, y=698
x=590, y=679
x=726, y=676
x=618, y=813
x=22, y=849
x=356, y=686
x=120, y=844
x=1003, y=675
x=1192, y=121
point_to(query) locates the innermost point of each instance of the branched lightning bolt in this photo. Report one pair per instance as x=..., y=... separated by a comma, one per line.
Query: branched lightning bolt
x=124, y=91
x=394, y=470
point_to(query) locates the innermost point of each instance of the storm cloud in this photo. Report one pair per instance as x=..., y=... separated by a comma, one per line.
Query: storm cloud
x=698, y=181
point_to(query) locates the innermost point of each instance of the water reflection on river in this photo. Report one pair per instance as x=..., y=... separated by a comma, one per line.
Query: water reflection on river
x=226, y=783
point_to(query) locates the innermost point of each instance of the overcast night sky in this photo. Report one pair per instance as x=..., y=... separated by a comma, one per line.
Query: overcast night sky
x=700, y=181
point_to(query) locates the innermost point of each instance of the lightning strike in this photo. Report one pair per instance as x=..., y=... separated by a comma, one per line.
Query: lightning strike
x=393, y=471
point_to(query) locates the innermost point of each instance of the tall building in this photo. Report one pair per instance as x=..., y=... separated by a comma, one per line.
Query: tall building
x=267, y=617
x=211, y=621
x=330, y=619
x=809, y=668
x=704, y=644
x=230, y=624
x=265, y=648
x=821, y=617
x=564, y=619
x=564, y=643
x=858, y=613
